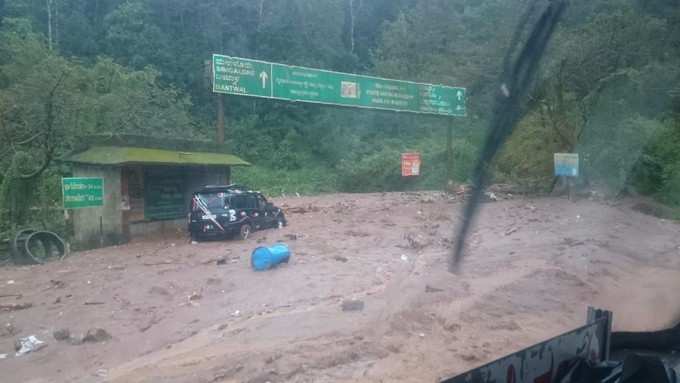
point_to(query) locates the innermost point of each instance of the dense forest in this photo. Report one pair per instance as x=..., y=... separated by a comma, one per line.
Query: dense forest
x=609, y=88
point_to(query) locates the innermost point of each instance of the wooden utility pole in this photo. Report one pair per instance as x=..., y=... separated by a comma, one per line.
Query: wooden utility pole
x=219, y=126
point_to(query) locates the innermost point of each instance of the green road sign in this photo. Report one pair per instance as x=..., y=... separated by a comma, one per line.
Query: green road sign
x=245, y=77
x=82, y=192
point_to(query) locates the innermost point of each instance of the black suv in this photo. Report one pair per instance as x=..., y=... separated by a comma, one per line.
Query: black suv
x=233, y=210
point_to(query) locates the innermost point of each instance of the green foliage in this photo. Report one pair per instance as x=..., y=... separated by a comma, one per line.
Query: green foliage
x=527, y=159
x=608, y=89
x=611, y=150
x=381, y=170
x=48, y=103
x=670, y=189
x=276, y=182
x=371, y=173
x=657, y=172
x=133, y=38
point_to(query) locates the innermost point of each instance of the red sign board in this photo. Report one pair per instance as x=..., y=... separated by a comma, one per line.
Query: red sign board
x=410, y=164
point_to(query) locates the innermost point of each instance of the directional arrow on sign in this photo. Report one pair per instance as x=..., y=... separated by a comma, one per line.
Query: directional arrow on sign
x=264, y=76
x=460, y=95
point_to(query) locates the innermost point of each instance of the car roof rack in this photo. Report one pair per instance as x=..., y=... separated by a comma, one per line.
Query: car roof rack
x=230, y=186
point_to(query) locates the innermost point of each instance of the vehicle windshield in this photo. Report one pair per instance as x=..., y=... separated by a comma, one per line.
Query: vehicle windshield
x=215, y=202
x=221, y=191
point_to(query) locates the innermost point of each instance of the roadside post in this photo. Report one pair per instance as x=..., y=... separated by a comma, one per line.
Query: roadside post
x=567, y=167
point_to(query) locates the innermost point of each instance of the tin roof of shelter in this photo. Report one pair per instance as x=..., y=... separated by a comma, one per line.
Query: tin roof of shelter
x=121, y=155
x=142, y=150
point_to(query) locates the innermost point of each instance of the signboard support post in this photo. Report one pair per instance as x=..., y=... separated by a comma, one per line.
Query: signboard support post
x=567, y=168
x=449, y=152
x=220, y=119
x=570, y=183
x=101, y=231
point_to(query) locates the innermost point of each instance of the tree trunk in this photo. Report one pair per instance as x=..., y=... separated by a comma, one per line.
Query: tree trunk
x=56, y=24
x=351, y=25
x=49, y=24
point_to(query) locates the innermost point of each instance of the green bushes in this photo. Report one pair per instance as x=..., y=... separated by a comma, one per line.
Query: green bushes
x=376, y=171
x=275, y=182
x=657, y=173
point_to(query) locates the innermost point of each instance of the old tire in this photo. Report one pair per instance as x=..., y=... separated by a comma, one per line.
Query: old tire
x=17, y=247
x=49, y=245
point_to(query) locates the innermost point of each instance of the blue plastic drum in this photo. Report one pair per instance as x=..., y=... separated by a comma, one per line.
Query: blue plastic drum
x=265, y=258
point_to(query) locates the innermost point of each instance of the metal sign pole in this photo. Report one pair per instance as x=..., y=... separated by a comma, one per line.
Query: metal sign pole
x=449, y=153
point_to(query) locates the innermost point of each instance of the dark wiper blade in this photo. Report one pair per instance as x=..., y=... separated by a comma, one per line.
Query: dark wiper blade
x=519, y=70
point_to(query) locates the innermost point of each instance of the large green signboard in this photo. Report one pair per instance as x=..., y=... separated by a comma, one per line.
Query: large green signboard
x=82, y=192
x=245, y=77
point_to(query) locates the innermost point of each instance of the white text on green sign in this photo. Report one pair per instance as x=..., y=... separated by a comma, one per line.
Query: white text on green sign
x=82, y=192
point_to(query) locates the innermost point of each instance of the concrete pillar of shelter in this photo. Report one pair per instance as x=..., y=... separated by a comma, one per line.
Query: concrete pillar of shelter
x=94, y=227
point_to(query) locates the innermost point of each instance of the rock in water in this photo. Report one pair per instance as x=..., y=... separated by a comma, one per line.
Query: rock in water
x=96, y=335
x=61, y=334
x=352, y=305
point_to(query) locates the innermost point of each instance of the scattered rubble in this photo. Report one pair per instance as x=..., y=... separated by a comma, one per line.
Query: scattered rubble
x=15, y=306
x=340, y=258
x=344, y=207
x=490, y=196
x=303, y=209
x=28, y=344
x=511, y=230
x=96, y=335
x=149, y=323
x=416, y=241
x=8, y=329
x=442, y=217
x=195, y=296
x=430, y=289
x=159, y=291
x=353, y=305
x=356, y=233
x=62, y=334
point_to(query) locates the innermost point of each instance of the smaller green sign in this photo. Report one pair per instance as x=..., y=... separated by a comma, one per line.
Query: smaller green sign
x=82, y=192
